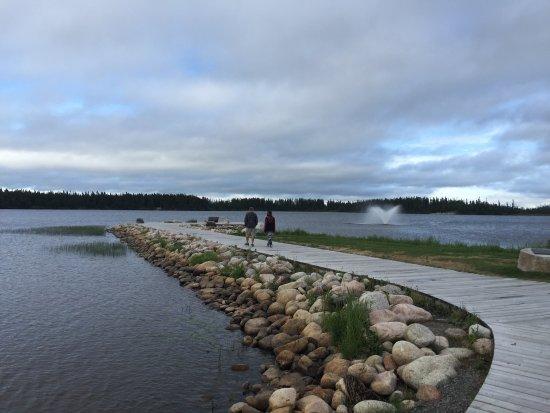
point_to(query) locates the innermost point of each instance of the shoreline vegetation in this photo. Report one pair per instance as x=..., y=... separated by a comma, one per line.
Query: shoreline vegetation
x=479, y=259
x=24, y=199
x=339, y=341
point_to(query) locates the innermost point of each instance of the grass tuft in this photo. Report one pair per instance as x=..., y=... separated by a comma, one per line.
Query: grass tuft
x=233, y=271
x=205, y=256
x=98, y=248
x=349, y=328
x=94, y=230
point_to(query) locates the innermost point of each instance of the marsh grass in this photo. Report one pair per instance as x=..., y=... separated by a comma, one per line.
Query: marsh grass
x=97, y=248
x=480, y=259
x=93, y=230
x=205, y=256
x=349, y=325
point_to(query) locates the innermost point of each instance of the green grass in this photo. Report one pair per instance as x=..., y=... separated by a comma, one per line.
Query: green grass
x=233, y=271
x=480, y=259
x=349, y=326
x=95, y=230
x=97, y=248
x=205, y=256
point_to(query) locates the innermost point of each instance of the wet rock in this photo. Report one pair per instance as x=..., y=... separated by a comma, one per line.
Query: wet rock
x=419, y=335
x=389, y=331
x=483, y=346
x=285, y=397
x=373, y=406
x=237, y=407
x=271, y=374
x=253, y=326
x=239, y=367
x=431, y=370
x=384, y=383
x=458, y=352
x=404, y=352
x=375, y=300
x=477, y=330
x=409, y=313
x=427, y=393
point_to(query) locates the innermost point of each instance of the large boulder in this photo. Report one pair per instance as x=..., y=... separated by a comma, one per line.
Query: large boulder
x=430, y=370
x=534, y=259
x=419, y=335
x=373, y=406
x=253, y=326
x=375, y=300
x=404, y=352
x=285, y=397
x=410, y=313
x=389, y=331
x=382, y=316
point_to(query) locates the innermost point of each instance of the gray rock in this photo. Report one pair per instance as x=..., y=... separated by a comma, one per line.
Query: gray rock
x=419, y=335
x=390, y=331
x=373, y=406
x=431, y=370
x=375, y=300
x=440, y=343
x=477, y=330
x=404, y=352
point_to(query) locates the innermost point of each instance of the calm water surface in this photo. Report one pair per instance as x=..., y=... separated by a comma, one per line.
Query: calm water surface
x=102, y=334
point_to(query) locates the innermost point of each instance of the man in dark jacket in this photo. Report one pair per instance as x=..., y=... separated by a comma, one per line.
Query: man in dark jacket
x=250, y=222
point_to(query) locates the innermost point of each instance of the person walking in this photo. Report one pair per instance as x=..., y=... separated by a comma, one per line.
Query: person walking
x=250, y=222
x=269, y=227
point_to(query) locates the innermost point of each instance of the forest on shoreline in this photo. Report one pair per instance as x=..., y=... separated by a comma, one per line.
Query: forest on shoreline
x=24, y=199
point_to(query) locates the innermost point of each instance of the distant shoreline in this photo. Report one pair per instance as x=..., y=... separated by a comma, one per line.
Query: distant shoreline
x=544, y=214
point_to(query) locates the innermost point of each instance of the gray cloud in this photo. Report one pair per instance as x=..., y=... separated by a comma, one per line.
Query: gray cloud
x=348, y=99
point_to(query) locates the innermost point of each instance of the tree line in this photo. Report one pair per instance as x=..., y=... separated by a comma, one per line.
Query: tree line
x=24, y=199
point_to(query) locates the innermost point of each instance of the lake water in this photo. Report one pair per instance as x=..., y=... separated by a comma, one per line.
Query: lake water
x=471, y=229
x=93, y=334
x=103, y=334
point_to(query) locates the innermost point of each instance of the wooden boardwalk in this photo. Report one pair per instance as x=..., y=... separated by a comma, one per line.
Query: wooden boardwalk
x=518, y=312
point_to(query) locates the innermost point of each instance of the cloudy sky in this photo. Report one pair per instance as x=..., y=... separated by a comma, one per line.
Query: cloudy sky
x=334, y=99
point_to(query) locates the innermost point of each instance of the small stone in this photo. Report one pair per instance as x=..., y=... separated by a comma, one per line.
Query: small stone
x=337, y=366
x=329, y=380
x=313, y=404
x=396, y=397
x=455, y=333
x=427, y=393
x=237, y=407
x=342, y=409
x=388, y=362
x=338, y=398
x=384, y=383
x=477, y=330
x=408, y=405
x=399, y=299
x=373, y=406
x=440, y=343
x=483, y=346
x=285, y=397
x=239, y=367
x=285, y=358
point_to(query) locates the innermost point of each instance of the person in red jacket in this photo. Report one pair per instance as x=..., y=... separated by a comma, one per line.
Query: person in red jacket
x=269, y=227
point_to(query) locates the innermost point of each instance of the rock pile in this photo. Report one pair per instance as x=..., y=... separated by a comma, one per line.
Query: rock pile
x=281, y=310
